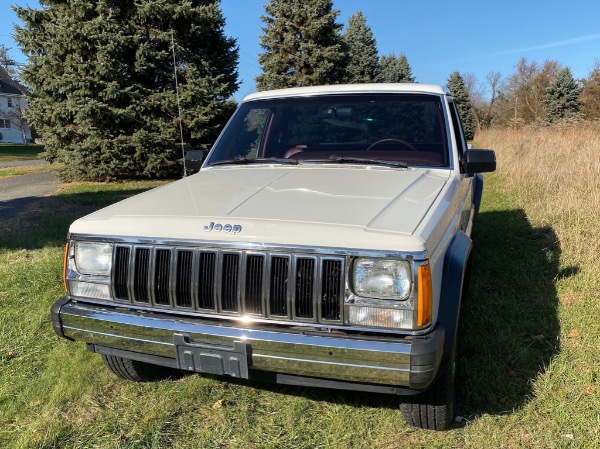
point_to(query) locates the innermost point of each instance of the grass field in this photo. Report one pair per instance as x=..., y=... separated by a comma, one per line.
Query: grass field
x=529, y=359
x=5, y=172
x=14, y=152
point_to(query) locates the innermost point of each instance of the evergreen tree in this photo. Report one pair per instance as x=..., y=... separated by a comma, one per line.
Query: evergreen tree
x=362, y=52
x=562, y=97
x=302, y=45
x=395, y=69
x=459, y=91
x=590, y=95
x=103, y=86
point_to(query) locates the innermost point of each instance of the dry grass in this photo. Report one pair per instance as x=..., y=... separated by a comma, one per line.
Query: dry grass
x=554, y=175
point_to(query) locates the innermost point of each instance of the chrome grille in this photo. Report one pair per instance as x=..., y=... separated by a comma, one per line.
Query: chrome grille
x=272, y=285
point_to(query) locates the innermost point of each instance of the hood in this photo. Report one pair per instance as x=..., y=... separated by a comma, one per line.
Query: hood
x=332, y=206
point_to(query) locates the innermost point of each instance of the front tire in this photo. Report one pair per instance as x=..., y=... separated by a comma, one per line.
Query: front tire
x=434, y=409
x=137, y=371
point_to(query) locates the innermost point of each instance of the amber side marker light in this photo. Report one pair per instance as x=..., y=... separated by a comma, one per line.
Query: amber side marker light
x=66, y=259
x=425, y=296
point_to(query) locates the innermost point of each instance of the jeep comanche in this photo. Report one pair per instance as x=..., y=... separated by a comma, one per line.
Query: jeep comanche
x=325, y=241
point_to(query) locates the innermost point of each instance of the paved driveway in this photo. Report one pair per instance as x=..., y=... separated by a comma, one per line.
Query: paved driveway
x=25, y=162
x=18, y=191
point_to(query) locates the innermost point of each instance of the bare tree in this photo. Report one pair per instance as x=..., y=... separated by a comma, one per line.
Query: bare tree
x=483, y=95
x=8, y=63
x=493, y=82
x=591, y=93
x=526, y=88
x=477, y=97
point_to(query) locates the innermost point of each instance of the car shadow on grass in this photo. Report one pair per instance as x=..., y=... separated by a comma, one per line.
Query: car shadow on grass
x=509, y=319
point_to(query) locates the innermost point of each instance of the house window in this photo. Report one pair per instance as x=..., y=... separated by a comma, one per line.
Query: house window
x=10, y=103
x=4, y=123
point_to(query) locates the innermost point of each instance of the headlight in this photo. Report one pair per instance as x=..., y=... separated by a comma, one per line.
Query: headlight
x=93, y=258
x=382, y=278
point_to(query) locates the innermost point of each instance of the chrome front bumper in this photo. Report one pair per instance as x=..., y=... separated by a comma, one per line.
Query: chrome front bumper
x=397, y=362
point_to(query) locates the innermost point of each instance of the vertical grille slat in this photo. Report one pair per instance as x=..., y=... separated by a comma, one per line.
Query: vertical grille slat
x=140, y=278
x=206, y=281
x=331, y=289
x=279, y=284
x=254, y=284
x=162, y=272
x=183, y=293
x=229, y=282
x=121, y=273
x=305, y=269
x=276, y=285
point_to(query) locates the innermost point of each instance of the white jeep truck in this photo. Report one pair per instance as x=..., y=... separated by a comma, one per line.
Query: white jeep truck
x=324, y=242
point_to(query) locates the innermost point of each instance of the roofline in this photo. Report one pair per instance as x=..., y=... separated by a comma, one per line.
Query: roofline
x=351, y=88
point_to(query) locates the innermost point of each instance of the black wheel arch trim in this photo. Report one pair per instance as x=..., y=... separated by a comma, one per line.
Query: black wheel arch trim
x=455, y=264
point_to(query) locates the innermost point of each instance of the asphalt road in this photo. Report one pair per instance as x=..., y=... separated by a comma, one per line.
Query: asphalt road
x=25, y=162
x=16, y=192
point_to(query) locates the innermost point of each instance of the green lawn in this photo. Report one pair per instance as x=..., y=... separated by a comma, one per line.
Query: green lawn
x=529, y=362
x=14, y=152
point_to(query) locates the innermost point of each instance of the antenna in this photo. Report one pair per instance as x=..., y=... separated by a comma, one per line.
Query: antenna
x=178, y=104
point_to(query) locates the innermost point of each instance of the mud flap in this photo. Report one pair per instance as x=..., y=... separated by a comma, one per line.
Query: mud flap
x=209, y=358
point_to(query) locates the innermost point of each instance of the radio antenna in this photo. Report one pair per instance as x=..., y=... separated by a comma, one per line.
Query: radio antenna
x=178, y=103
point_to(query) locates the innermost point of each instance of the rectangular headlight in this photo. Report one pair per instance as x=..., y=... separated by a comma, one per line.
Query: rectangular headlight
x=93, y=258
x=382, y=278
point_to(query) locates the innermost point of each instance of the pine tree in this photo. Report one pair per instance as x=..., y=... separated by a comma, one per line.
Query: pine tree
x=302, y=45
x=361, y=46
x=395, y=69
x=459, y=91
x=562, y=97
x=103, y=87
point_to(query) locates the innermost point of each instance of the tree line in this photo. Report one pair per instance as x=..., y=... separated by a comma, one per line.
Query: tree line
x=102, y=78
x=534, y=93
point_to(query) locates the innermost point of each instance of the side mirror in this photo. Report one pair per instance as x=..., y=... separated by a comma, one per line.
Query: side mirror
x=194, y=159
x=478, y=161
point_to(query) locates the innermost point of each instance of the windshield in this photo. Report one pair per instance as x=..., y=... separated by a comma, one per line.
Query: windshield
x=403, y=128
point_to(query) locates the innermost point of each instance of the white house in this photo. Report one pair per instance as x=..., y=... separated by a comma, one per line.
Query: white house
x=13, y=126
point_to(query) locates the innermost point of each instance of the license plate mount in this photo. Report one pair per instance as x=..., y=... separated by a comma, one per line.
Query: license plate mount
x=222, y=359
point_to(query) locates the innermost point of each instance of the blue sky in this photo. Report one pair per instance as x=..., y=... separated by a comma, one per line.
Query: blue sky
x=438, y=37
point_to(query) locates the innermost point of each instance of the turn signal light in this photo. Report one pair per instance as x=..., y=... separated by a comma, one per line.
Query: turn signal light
x=425, y=296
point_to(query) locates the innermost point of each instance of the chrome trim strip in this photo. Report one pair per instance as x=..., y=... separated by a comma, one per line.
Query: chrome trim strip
x=249, y=246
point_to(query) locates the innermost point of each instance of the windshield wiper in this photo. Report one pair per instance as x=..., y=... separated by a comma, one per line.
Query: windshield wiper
x=257, y=160
x=359, y=160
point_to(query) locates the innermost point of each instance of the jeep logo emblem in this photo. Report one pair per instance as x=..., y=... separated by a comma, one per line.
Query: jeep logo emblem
x=218, y=227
